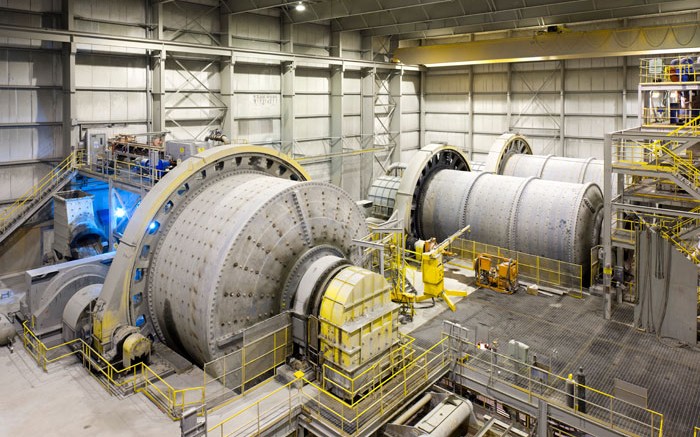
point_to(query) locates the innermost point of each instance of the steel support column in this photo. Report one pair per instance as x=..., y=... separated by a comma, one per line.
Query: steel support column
x=509, y=90
x=336, y=140
x=158, y=90
x=367, y=121
x=624, y=93
x=542, y=414
x=336, y=49
x=287, y=36
x=562, y=119
x=287, y=108
x=421, y=120
x=395, y=95
x=111, y=208
x=228, y=96
x=68, y=8
x=366, y=47
x=70, y=135
x=470, y=95
x=607, y=223
x=226, y=23
x=157, y=13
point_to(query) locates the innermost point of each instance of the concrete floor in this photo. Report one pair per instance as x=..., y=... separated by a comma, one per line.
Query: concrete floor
x=68, y=402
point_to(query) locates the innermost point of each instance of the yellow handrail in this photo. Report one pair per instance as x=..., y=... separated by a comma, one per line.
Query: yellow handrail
x=47, y=180
x=256, y=404
x=139, y=376
x=692, y=126
x=519, y=375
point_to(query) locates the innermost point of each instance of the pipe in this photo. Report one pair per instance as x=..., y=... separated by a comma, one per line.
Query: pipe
x=422, y=402
x=395, y=166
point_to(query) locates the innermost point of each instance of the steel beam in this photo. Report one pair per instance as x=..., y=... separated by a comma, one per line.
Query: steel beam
x=607, y=224
x=567, y=45
x=287, y=108
x=422, y=104
x=367, y=128
x=70, y=135
x=508, y=18
x=395, y=95
x=68, y=8
x=228, y=96
x=157, y=12
x=334, y=9
x=286, y=36
x=185, y=48
x=337, y=117
x=470, y=147
x=226, y=33
x=158, y=91
x=618, y=206
x=562, y=103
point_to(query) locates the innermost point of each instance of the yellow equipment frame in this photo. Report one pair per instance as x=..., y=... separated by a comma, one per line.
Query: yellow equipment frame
x=501, y=273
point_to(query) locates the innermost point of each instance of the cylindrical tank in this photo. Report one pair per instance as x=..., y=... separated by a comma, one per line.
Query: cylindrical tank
x=552, y=219
x=224, y=258
x=382, y=193
x=555, y=168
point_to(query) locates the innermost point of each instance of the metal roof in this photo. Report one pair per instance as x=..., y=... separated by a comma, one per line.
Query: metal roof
x=421, y=18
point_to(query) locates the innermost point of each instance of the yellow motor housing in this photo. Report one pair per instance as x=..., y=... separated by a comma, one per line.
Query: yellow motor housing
x=136, y=347
x=358, y=326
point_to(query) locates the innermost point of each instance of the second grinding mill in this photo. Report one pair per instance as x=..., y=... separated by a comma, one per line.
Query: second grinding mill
x=511, y=155
x=437, y=195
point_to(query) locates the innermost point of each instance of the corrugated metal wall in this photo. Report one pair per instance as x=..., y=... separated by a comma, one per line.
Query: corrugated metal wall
x=595, y=94
x=465, y=106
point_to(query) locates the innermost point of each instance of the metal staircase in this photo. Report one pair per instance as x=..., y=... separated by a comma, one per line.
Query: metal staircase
x=30, y=202
x=660, y=160
x=682, y=232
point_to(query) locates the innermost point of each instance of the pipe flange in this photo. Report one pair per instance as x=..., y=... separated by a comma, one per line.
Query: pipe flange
x=425, y=164
x=503, y=147
x=122, y=301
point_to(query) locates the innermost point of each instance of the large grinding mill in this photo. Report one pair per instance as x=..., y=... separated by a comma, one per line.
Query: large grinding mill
x=511, y=155
x=438, y=195
x=227, y=239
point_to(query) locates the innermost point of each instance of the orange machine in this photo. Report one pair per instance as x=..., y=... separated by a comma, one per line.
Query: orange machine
x=496, y=273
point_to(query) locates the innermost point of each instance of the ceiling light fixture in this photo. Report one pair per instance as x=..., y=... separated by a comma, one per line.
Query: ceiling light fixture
x=300, y=7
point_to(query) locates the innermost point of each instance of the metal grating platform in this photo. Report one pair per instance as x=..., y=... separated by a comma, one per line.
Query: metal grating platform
x=571, y=333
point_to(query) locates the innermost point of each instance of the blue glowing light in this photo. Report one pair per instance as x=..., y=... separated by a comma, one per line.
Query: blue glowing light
x=119, y=213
